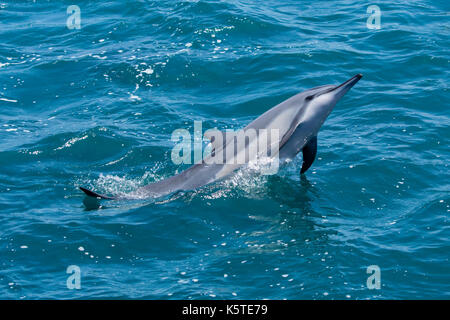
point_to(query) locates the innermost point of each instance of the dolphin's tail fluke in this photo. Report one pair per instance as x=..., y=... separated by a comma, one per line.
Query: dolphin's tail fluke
x=96, y=195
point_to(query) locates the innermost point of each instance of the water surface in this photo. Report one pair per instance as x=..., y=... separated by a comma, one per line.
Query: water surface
x=96, y=107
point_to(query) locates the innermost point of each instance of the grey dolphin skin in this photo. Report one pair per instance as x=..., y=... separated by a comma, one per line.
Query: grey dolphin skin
x=297, y=120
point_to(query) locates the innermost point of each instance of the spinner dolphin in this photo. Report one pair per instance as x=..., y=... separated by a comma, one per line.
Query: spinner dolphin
x=297, y=121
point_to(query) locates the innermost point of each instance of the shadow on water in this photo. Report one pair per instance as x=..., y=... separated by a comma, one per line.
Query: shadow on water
x=292, y=193
x=91, y=203
x=297, y=200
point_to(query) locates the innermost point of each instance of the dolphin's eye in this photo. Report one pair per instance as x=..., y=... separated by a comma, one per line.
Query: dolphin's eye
x=309, y=98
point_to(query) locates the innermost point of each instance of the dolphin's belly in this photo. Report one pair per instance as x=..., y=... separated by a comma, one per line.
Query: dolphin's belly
x=295, y=143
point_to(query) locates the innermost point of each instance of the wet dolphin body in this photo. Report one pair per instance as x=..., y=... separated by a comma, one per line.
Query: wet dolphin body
x=297, y=119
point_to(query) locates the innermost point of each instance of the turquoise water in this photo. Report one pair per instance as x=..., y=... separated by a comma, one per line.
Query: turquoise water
x=96, y=107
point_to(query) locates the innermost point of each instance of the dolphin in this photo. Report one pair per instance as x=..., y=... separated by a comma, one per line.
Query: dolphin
x=297, y=121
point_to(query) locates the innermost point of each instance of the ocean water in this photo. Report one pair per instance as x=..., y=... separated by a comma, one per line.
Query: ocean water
x=96, y=107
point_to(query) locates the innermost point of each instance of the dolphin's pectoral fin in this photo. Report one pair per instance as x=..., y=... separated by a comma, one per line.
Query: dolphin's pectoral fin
x=309, y=154
x=95, y=194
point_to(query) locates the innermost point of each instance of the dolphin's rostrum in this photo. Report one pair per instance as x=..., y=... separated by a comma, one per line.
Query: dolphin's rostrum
x=297, y=121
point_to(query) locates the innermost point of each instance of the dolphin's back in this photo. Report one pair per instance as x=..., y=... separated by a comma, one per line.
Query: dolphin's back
x=196, y=176
x=288, y=108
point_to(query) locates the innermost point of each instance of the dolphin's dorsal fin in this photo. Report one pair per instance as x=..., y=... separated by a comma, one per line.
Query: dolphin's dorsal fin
x=309, y=154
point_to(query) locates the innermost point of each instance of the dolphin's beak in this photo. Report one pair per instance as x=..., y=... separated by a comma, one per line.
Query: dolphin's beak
x=342, y=89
